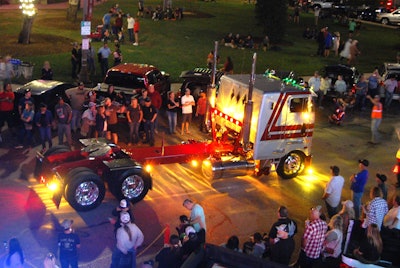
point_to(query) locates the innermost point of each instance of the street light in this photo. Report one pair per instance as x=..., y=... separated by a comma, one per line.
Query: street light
x=29, y=11
x=28, y=7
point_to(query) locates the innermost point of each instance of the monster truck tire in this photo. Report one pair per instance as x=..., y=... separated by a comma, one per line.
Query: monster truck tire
x=71, y=174
x=291, y=165
x=85, y=191
x=132, y=185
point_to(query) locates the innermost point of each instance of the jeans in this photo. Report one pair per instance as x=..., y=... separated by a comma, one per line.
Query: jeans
x=66, y=262
x=149, y=130
x=375, y=122
x=134, y=132
x=119, y=259
x=76, y=120
x=172, y=121
x=357, y=203
x=25, y=136
x=388, y=99
x=331, y=210
x=131, y=39
x=307, y=262
x=45, y=135
x=360, y=102
x=104, y=66
x=64, y=129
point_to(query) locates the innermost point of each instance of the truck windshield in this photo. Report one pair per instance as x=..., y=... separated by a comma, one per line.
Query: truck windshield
x=299, y=105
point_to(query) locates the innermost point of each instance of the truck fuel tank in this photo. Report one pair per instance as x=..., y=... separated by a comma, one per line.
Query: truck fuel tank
x=215, y=169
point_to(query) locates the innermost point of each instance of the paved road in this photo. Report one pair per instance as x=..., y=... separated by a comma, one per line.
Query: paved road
x=238, y=206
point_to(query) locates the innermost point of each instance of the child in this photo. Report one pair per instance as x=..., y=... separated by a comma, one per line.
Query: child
x=184, y=222
x=101, y=123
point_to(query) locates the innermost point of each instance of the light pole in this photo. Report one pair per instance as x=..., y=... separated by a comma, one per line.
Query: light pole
x=29, y=11
x=85, y=31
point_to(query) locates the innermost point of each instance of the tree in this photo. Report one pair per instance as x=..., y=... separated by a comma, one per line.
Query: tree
x=29, y=11
x=272, y=16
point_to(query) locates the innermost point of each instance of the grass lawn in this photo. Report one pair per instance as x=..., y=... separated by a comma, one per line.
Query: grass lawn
x=175, y=46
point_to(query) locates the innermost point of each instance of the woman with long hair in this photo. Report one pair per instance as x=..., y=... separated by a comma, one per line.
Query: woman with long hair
x=129, y=237
x=370, y=248
x=333, y=241
x=15, y=257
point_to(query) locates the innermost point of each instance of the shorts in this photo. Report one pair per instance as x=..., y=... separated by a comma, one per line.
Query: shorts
x=187, y=118
x=112, y=128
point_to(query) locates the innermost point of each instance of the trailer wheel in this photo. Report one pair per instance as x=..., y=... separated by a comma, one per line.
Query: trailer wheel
x=70, y=176
x=85, y=191
x=53, y=150
x=132, y=185
x=291, y=165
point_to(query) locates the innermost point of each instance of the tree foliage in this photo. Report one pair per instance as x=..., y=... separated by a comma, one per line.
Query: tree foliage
x=272, y=16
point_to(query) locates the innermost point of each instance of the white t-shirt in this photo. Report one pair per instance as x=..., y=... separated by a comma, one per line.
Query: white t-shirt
x=334, y=189
x=314, y=83
x=131, y=22
x=391, y=216
x=188, y=108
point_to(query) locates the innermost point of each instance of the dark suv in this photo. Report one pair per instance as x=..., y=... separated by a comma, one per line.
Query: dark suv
x=130, y=78
x=197, y=80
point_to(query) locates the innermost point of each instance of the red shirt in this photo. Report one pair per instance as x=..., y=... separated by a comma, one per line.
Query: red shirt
x=136, y=26
x=201, y=106
x=156, y=99
x=7, y=101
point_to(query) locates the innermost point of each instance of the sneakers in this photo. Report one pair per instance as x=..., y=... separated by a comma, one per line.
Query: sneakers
x=135, y=44
x=19, y=147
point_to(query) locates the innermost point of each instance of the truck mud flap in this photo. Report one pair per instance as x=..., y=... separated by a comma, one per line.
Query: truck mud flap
x=57, y=199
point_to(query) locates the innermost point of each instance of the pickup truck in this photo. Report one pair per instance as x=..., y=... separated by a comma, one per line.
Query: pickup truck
x=322, y=4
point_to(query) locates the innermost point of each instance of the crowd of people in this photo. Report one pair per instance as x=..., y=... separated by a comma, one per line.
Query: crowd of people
x=86, y=113
x=365, y=92
x=347, y=228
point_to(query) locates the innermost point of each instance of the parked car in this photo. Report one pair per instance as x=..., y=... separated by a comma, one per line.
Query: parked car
x=389, y=18
x=46, y=91
x=131, y=78
x=323, y=4
x=197, y=80
x=370, y=13
x=388, y=70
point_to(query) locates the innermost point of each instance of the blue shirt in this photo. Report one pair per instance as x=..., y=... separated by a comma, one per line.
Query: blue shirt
x=105, y=52
x=360, y=181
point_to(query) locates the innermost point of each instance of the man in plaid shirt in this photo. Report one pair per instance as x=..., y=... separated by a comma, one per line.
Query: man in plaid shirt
x=376, y=210
x=313, y=239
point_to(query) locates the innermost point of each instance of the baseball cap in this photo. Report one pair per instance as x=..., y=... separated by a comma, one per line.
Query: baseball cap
x=365, y=162
x=382, y=177
x=147, y=100
x=91, y=104
x=66, y=224
x=125, y=217
x=27, y=90
x=123, y=203
x=348, y=204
